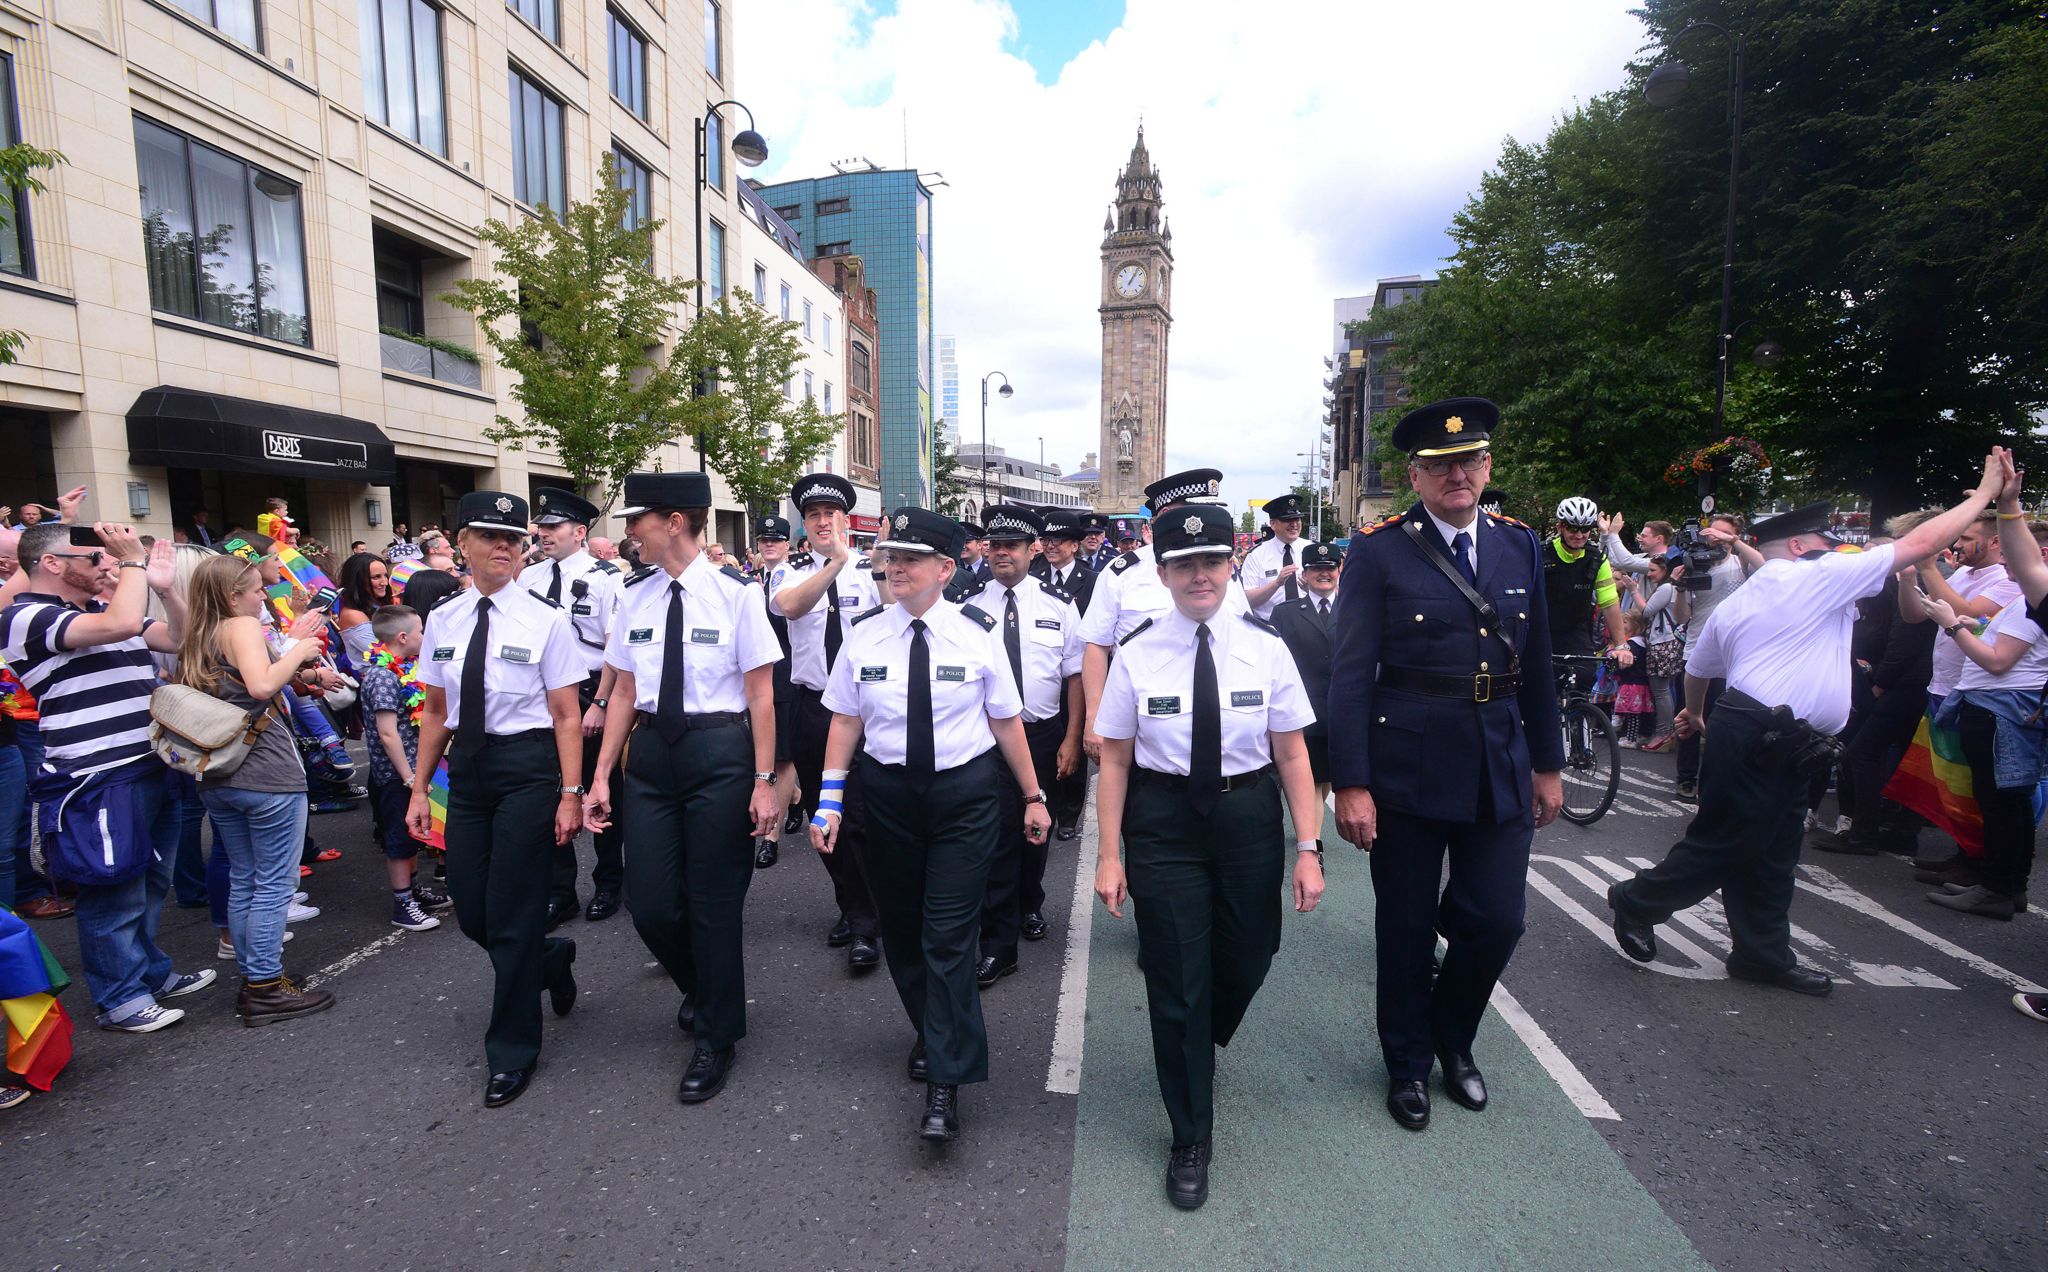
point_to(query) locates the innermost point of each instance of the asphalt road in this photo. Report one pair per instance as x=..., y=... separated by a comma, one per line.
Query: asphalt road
x=1642, y=1117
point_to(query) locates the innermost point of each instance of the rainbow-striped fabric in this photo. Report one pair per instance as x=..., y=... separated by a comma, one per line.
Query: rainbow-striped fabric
x=38, y=1033
x=1934, y=781
x=437, y=805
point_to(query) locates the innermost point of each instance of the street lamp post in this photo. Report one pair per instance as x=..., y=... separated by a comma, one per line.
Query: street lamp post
x=1005, y=391
x=750, y=149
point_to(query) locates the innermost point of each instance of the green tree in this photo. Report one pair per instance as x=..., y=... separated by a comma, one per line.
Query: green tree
x=951, y=488
x=759, y=431
x=19, y=164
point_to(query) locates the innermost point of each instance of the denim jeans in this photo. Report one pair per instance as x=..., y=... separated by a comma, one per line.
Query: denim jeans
x=188, y=874
x=117, y=925
x=29, y=883
x=261, y=832
x=308, y=719
x=13, y=827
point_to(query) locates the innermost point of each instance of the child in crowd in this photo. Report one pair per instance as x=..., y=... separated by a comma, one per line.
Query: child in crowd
x=393, y=698
x=1635, y=711
x=275, y=521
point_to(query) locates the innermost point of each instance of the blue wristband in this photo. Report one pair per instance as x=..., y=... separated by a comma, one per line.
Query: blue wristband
x=818, y=820
x=831, y=806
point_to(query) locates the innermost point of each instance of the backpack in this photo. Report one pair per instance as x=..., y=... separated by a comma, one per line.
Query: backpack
x=201, y=736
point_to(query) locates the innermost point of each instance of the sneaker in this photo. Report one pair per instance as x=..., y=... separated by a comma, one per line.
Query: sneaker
x=182, y=983
x=300, y=913
x=1978, y=900
x=1688, y=793
x=12, y=1095
x=1628, y=744
x=336, y=756
x=147, y=1018
x=407, y=914
x=299, y=898
x=1843, y=823
x=2035, y=1005
x=432, y=900
x=1812, y=819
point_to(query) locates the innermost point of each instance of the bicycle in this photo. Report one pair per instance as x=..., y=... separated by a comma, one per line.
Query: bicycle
x=1592, y=753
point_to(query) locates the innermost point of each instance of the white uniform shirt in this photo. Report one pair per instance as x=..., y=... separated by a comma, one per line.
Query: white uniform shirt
x=1150, y=693
x=1126, y=597
x=1970, y=582
x=1783, y=638
x=1049, y=639
x=725, y=635
x=590, y=615
x=857, y=592
x=530, y=651
x=970, y=683
x=1263, y=564
x=2029, y=673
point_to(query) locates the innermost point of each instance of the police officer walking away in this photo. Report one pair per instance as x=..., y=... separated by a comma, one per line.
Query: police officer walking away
x=771, y=538
x=693, y=652
x=500, y=669
x=925, y=692
x=1782, y=645
x=1200, y=708
x=1444, y=740
x=820, y=592
x=1307, y=626
x=1272, y=570
x=587, y=588
x=1041, y=635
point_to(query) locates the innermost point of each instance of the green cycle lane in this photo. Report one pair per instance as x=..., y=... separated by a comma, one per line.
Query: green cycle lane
x=1309, y=1171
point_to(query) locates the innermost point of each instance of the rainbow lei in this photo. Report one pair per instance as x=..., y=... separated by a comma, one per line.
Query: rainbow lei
x=408, y=680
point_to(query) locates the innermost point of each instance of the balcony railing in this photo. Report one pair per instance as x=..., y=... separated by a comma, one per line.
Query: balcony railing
x=413, y=358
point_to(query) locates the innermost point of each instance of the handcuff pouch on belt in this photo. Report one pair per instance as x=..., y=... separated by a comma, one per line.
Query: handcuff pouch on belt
x=1791, y=745
x=1489, y=617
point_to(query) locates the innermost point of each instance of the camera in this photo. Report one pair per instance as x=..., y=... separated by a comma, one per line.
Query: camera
x=1699, y=555
x=85, y=537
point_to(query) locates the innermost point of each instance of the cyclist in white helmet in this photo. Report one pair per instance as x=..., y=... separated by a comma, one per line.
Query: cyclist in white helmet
x=1577, y=581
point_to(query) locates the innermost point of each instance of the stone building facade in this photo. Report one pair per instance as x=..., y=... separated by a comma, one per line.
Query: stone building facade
x=1137, y=316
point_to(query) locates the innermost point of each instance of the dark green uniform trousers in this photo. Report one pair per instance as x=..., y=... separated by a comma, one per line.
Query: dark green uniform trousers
x=1207, y=893
x=501, y=842
x=608, y=873
x=1016, y=878
x=689, y=862
x=931, y=838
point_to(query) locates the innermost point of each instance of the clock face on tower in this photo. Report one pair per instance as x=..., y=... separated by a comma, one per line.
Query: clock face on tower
x=1130, y=281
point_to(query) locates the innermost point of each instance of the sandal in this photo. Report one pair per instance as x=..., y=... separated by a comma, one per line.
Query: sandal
x=327, y=854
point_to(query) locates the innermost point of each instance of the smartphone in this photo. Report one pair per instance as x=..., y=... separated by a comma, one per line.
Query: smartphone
x=85, y=537
x=324, y=599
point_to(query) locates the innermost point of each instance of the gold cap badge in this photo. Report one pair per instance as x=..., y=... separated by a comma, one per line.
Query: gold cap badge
x=1455, y=424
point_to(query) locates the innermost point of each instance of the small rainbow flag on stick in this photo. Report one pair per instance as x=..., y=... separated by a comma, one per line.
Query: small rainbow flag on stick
x=310, y=576
x=437, y=808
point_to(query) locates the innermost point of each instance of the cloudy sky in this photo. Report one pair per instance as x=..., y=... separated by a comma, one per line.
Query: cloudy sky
x=1308, y=148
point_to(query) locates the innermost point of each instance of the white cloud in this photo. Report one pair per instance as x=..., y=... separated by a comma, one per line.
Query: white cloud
x=1307, y=149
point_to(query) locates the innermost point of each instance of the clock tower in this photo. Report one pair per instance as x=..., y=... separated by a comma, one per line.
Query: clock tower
x=1137, y=312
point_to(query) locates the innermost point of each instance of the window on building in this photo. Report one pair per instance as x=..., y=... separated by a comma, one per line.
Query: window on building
x=635, y=179
x=247, y=268
x=760, y=284
x=826, y=207
x=629, y=63
x=401, y=289
x=235, y=19
x=828, y=397
x=790, y=212
x=859, y=373
x=810, y=391
x=402, y=69
x=828, y=331
x=15, y=255
x=714, y=150
x=713, y=54
x=539, y=174
x=789, y=388
x=843, y=247
x=544, y=16
x=714, y=243
x=785, y=302
x=861, y=440
x=807, y=320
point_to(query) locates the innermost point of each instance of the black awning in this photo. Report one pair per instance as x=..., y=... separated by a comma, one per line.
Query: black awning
x=185, y=428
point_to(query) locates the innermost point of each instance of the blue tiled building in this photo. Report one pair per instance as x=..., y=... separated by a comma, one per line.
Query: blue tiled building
x=885, y=218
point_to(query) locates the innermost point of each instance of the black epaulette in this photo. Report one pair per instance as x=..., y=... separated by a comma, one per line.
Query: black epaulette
x=644, y=572
x=735, y=573
x=1501, y=516
x=867, y=614
x=864, y=563
x=1124, y=562
x=603, y=567
x=1133, y=633
x=1383, y=523
x=1055, y=591
x=542, y=598
x=799, y=561
x=969, y=593
x=1260, y=623
x=988, y=623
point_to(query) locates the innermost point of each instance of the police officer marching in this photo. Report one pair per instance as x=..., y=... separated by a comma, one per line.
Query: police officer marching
x=1041, y=636
x=820, y=592
x=1065, y=533
x=1201, y=707
x=694, y=655
x=925, y=693
x=500, y=671
x=1444, y=739
x=587, y=588
x=1308, y=627
x=771, y=539
x=1272, y=570
x=1096, y=550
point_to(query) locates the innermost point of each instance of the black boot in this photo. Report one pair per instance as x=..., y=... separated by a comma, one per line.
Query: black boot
x=941, y=1119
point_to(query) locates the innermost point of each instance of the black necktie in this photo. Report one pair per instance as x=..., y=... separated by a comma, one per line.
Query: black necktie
x=1013, y=640
x=1205, y=756
x=668, y=708
x=832, y=633
x=555, y=585
x=920, y=752
x=1325, y=607
x=1461, y=547
x=469, y=731
x=1287, y=558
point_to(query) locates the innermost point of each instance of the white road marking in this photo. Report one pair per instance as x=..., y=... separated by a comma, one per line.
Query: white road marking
x=1070, y=1027
x=1823, y=883
x=353, y=958
x=1705, y=966
x=1553, y=1059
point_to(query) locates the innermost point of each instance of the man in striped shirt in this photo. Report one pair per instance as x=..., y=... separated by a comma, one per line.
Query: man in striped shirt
x=106, y=806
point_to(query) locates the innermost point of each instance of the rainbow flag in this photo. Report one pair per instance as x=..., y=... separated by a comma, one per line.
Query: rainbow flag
x=402, y=571
x=37, y=1032
x=437, y=806
x=296, y=563
x=1934, y=781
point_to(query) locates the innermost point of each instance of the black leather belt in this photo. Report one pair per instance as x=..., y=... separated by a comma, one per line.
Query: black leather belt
x=1175, y=781
x=1478, y=687
x=703, y=719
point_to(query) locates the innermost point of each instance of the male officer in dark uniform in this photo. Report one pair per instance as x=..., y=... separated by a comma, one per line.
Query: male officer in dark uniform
x=1309, y=626
x=1064, y=533
x=1444, y=738
x=771, y=536
x=1096, y=550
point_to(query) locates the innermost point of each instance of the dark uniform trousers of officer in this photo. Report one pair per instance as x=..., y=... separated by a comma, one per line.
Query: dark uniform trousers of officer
x=1208, y=909
x=692, y=861
x=501, y=838
x=850, y=864
x=610, y=871
x=1016, y=880
x=1744, y=841
x=1449, y=777
x=932, y=839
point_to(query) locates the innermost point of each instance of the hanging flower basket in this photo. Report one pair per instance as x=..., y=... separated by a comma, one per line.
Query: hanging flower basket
x=1726, y=455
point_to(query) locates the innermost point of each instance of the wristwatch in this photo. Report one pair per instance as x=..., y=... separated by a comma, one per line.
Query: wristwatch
x=1039, y=798
x=578, y=789
x=765, y=777
x=600, y=703
x=1953, y=628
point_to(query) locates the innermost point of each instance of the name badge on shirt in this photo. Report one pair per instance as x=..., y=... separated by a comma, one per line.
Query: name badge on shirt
x=1050, y=624
x=444, y=653
x=515, y=653
x=1162, y=706
x=1272, y=573
x=640, y=636
x=869, y=675
x=951, y=673
x=845, y=601
x=1247, y=697
x=703, y=636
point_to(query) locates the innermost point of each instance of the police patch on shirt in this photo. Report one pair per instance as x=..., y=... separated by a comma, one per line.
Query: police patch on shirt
x=581, y=609
x=515, y=653
x=703, y=636
x=1247, y=697
x=1162, y=706
x=951, y=673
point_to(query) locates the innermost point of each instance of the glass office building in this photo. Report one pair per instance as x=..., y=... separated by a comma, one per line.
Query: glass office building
x=885, y=218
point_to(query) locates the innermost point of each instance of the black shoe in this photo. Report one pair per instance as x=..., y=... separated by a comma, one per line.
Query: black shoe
x=1408, y=1101
x=941, y=1120
x=1187, y=1176
x=1688, y=793
x=602, y=906
x=1800, y=980
x=863, y=955
x=432, y=900
x=2019, y=900
x=1462, y=1081
x=686, y=1015
x=1067, y=833
x=1637, y=939
x=841, y=933
x=766, y=853
x=560, y=911
x=562, y=994
x=503, y=1088
x=1034, y=926
x=919, y=1070
x=794, y=822
x=992, y=969
x=1847, y=845
x=1978, y=900
x=706, y=1075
